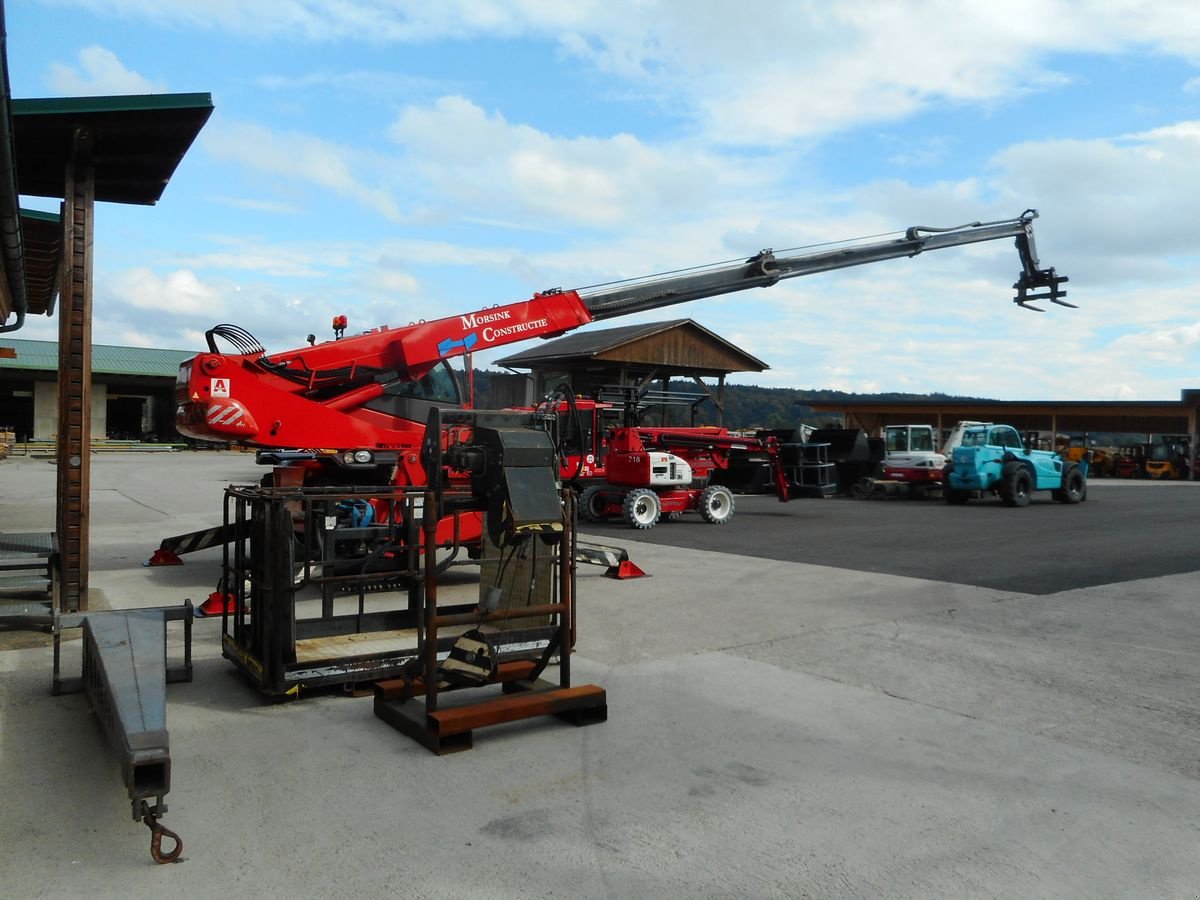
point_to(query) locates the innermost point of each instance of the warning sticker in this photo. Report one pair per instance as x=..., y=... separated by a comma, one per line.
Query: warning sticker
x=220, y=387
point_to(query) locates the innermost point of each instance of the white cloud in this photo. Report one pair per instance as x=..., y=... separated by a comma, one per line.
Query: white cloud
x=255, y=205
x=1163, y=346
x=584, y=180
x=178, y=293
x=784, y=70
x=100, y=73
x=299, y=157
x=1119, y=208
x=357, y=81
x=304, y=260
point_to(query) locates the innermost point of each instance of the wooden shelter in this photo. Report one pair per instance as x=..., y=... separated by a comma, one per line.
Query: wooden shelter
x=644, y=357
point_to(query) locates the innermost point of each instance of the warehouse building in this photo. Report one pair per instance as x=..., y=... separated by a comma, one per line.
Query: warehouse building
x=132, y=394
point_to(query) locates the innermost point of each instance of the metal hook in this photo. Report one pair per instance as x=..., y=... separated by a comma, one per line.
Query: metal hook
x=157, y=833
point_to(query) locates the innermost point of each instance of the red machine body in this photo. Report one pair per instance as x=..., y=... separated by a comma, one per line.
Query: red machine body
x=912, y=474
x=654, y=472
x=346, y=394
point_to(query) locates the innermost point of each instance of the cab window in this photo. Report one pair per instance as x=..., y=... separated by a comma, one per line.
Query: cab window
x=1006, y=437
x=438, y=385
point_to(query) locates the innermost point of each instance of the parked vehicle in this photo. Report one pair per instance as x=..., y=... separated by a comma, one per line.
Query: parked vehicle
x=994, y=459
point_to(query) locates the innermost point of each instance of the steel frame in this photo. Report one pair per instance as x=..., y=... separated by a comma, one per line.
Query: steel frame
x=283, y=541
x=448, y=729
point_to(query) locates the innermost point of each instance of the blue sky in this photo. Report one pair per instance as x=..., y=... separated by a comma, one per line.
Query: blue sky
x=396, y=161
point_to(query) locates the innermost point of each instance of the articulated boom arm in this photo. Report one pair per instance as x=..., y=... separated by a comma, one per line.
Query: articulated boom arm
x=333, y=395
x=768, y=268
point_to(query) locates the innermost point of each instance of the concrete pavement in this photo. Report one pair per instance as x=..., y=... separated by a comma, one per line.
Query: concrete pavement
x=776, y=729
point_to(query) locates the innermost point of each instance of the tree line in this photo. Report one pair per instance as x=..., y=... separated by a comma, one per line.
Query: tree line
x=746, y=406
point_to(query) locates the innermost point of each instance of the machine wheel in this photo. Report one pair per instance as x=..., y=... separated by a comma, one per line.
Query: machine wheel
x=642, y=508
x=951, y=495
x=592, y=503
x=716, y=504
x=1074, y=487
x=1015, y=485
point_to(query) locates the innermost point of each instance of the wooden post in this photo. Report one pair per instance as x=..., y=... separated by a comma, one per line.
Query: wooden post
x=75, y=378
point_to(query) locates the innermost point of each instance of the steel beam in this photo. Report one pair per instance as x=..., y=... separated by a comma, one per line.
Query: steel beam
x=124, y=674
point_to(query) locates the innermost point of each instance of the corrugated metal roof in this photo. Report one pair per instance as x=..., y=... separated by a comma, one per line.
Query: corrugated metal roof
x=106, y=359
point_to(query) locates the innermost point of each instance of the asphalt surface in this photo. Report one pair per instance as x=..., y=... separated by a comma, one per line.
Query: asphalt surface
x=1124, y=531
x=830, y=699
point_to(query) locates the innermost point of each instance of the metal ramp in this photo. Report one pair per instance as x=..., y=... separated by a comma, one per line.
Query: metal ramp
x=26, y=574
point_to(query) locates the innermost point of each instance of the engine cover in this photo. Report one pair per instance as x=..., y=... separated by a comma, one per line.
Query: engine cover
x=648, y=468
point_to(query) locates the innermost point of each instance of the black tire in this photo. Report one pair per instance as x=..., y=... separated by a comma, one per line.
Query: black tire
x=1016, y=485
x=1074, y=485
x=953, y=496
x=641, y=508
x=716, y=504
x=592, y=503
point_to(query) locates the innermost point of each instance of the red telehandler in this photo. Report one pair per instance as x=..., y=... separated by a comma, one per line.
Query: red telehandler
x=364, y=399
x=383, y=475
x=357, y=406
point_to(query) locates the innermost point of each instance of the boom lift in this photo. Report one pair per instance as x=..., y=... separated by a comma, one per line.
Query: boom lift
x=364, y=399
x=655, y=472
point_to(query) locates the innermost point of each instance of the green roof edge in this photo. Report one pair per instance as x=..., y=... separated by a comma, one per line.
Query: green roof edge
x=41, y=215
x=114, y=103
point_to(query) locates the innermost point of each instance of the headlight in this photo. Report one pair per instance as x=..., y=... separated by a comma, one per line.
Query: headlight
x=362, y=456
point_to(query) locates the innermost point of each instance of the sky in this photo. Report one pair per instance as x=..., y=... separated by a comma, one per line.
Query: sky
x=399, y=161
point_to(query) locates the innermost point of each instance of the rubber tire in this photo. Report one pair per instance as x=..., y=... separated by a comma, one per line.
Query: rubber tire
x=953, y=496
x=716, y=504
x=592, y=503
x=1074, y=485
x=641, y=508
x=1016, y=485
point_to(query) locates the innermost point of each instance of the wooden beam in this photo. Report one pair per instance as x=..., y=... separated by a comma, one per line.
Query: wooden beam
x=75, y=378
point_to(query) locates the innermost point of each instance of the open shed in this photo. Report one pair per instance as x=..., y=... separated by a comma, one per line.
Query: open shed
x=644, y=358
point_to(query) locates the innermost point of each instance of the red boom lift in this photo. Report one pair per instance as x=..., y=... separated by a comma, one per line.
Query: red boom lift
x=357, y=406
x=364, y=399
